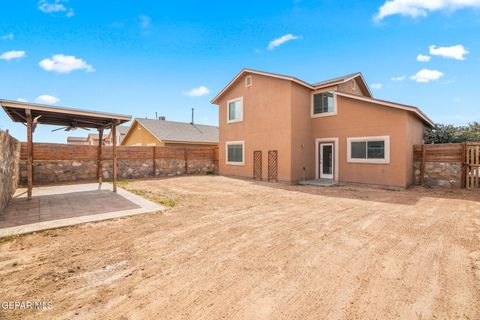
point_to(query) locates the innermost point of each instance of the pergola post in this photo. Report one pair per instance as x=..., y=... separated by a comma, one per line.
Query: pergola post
x=99, y=158
x=29, y=153
x=114, y=155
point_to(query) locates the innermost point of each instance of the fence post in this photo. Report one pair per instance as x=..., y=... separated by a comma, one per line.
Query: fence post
x=154, y=148
x=186, y=161
x=422, y=165
x=464, y=165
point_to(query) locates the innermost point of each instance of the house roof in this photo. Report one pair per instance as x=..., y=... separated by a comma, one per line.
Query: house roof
x=80, y=139
x=384, y=103
x=314, y=86
x=93, y=136
x=341, y=79
x=121, y=130
x=173, y=131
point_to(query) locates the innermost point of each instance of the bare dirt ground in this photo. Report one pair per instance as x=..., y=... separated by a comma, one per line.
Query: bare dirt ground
x=238, y=249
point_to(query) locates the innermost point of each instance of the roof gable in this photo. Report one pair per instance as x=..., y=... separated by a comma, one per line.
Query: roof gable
x=315, y=86
x=172, y=131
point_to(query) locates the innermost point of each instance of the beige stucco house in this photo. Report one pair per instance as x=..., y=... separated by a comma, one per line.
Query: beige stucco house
x=281, y=127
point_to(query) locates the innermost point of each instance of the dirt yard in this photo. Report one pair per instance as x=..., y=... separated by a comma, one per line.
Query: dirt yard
x=237, y=249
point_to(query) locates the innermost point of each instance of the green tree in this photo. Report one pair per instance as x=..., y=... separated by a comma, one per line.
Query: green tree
x=442, y=133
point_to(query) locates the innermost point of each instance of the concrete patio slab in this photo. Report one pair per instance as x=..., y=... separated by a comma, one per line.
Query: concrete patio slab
x=319, y=182
x=60, y=206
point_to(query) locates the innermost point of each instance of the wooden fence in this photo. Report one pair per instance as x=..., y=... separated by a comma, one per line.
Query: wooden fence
x=65, y=162
x=57, y=151
x=468, y=154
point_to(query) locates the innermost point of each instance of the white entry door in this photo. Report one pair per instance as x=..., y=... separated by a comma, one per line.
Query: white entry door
x=326, y=161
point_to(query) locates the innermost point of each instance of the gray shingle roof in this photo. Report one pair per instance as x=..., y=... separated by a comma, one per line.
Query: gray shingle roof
x=122, y=129
x=342, y=78
x=180, y=131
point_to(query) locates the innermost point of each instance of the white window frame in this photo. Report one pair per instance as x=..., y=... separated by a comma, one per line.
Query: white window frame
x=228, y=110
x=385, y=139
x=324, y=114
x=243, y=153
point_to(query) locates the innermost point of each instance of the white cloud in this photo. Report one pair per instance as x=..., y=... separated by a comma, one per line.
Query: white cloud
x=283, y=39
x=145, y=21
x=421, y=8
x=399, y=78
x=376, y=86
x=197, y=92
x=65, y=64
x=457, y=52
x=22, y=100
x=8, y=36
x=46, y=99
x=423, y=58
x=426, y=75
x=9, y=55
x=55, y=6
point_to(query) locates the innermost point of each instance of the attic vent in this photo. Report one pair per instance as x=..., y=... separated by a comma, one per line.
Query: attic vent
x=248, y=81
x=354, y=84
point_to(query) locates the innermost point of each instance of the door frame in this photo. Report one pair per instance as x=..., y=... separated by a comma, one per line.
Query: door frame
x=321, y=174
x=334, y=141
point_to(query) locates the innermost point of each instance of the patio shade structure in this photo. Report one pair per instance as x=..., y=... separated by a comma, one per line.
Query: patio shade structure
x=32, y=114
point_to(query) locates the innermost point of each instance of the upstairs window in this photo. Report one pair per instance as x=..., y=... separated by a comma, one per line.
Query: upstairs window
x=323, y=104
x=235, y=110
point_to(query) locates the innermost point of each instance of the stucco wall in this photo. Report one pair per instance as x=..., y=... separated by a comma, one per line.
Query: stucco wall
x=266, y=125
x=349, y=87
x=362, y=119
x=9, y=167
x=302, y=134
x=414, y=131
x=139, y=136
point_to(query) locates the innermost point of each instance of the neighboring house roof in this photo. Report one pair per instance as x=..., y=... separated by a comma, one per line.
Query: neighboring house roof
x=172, y=131
x=314, y=86
x=77, y=139
x=413, y=109
x=93, y=136
x=121, y=130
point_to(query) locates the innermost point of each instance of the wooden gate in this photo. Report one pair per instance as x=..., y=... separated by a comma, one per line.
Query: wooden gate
x=257, y=165
x=472, y=165
x=272, y=165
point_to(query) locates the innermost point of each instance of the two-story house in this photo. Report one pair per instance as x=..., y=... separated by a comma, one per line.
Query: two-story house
x=279, y=127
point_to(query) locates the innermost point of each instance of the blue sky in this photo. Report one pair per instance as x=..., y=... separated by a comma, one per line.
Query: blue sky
x=142, y=57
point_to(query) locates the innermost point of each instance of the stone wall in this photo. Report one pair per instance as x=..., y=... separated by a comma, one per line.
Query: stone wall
x=59, y=171
x=440, y=174
x=9, y=167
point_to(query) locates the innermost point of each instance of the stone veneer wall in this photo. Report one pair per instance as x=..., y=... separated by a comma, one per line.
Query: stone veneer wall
x=441, y=174
x=9, y=167
x=172, y=163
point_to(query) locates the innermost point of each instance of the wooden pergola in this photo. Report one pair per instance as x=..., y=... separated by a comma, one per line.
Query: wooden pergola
x=31, y=115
